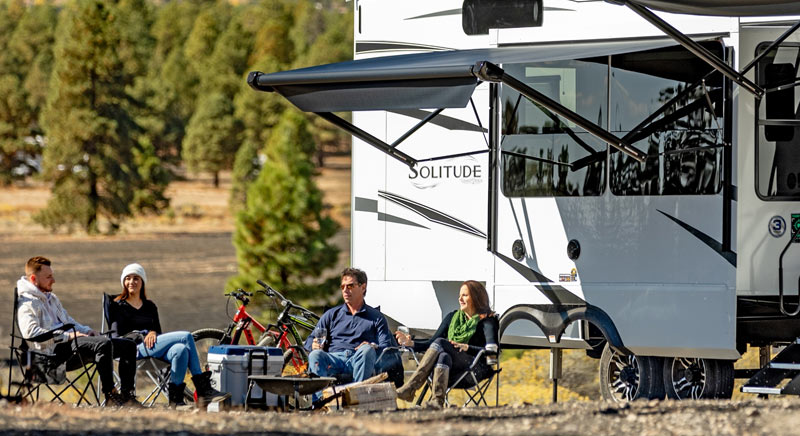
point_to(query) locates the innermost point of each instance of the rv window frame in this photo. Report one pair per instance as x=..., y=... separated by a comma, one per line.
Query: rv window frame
x=761, y=51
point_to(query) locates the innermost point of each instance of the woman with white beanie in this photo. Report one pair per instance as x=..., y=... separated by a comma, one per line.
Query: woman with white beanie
x=133, y=316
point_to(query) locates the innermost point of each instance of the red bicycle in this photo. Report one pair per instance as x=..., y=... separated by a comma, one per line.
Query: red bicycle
x=284, y=333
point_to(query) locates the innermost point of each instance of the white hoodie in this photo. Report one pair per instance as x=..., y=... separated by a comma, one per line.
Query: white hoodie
x=38, y=312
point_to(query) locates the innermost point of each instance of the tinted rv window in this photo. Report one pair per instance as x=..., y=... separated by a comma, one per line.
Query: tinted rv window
x=552, y=144
x=661, y=106
x=778, y=138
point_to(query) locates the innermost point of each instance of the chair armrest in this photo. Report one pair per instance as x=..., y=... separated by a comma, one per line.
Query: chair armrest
x=46, y=336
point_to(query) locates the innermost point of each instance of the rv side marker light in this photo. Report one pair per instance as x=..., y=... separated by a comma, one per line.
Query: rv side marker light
x=551, y=339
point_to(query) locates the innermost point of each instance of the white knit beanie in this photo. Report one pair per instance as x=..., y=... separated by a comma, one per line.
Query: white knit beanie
x=133, y=268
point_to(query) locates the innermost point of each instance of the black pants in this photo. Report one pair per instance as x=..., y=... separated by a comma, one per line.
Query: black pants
x=457, y=361
x=102, y=351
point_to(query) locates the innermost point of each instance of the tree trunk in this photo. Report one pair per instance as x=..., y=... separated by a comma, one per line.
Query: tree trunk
x=216, y=179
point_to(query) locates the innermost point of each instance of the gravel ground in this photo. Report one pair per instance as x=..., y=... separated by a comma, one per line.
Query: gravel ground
x=756, y=417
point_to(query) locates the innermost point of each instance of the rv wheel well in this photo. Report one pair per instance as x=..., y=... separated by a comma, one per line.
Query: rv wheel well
x=554, y=319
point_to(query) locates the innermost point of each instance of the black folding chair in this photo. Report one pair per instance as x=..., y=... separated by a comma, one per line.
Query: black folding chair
x=40, y=369
x=474, y=381
x=155, y=370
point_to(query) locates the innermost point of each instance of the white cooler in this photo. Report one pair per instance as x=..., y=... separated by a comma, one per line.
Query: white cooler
x=229, y=370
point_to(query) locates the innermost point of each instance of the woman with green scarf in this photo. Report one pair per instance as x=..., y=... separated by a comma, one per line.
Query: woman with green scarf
x=460, y=336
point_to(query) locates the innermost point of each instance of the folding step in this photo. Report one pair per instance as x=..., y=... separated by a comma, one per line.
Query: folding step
x=761, y=390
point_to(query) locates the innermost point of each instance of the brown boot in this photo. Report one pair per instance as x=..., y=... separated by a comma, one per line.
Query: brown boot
x=407, y=391
x=441, y=375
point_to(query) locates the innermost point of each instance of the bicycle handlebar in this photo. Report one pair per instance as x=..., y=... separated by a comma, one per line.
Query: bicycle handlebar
x=285, y=302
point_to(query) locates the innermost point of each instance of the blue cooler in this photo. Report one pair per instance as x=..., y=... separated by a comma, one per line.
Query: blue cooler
x=230, y=365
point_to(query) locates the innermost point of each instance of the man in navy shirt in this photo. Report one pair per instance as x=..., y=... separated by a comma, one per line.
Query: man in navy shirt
x=356, y=333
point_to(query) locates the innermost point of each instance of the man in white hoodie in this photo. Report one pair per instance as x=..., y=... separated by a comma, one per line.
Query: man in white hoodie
x=40, y=311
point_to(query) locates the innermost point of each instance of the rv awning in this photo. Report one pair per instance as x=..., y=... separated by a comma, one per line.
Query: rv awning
x=725, y=8
x=443, y=79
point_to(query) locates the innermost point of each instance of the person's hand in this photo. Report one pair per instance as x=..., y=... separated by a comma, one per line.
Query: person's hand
x=75, y=334
x=460, y=347
x=403, y=339
x=374, y=346
x=150, y=339
x=316, y=344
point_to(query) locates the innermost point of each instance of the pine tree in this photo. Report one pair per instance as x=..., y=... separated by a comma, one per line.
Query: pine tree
x=211, y=141
x=18, y=120
x=89, y=156
x=259, y=112
x=282, y=234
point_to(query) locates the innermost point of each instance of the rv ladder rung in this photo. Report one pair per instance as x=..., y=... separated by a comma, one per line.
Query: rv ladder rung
x=779, y=365
x=761, y=390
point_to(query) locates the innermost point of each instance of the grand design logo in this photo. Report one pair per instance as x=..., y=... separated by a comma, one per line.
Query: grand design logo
x=464, y=170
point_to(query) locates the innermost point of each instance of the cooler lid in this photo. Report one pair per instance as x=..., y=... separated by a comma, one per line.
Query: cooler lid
x=241, y=350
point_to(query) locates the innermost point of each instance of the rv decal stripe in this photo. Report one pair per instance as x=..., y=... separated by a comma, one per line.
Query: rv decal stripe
x=437, y=14
x=704, y=238
x=368, y=205
x=397, y=220
x=557, y=294
x=431, y=214
x=449, y=123
x=384, y=46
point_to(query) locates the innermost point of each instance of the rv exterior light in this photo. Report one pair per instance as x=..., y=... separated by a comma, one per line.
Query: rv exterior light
x=518, y=250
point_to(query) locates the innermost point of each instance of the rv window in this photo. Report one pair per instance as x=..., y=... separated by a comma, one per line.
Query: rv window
x=539, y=146
x=778, y=138
x=659, y=104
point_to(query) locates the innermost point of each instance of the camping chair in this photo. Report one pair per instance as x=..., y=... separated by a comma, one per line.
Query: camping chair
x=44, y=369
x=474, y=381
x=156, y=370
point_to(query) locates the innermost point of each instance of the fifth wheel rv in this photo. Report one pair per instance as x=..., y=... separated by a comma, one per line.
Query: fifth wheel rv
x=623, y=176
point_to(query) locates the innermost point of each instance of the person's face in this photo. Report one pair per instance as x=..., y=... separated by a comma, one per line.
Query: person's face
x=352, y=291
x=43, y=279
x=133, y=284
x=465, y=301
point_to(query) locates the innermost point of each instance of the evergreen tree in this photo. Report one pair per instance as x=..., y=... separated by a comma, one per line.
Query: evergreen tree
x=259, y=112
x=211, y=142
x=18, y=147
x=90, y=153
x=282, y=235
x=170, y=84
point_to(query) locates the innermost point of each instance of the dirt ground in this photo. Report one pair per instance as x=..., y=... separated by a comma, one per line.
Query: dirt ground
x=756, y=417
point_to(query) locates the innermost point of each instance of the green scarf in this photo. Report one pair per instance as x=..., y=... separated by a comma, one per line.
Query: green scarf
x=461, y=327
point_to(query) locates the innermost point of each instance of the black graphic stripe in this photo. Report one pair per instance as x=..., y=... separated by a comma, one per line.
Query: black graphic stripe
x=704, y=238
x=555, y=293
x=368, y=205
x=431, y=214
x=437, y=14
x=385, y=46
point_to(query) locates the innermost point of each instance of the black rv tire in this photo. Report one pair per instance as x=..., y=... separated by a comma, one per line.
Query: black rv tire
x=697, y=378
x=627, y=378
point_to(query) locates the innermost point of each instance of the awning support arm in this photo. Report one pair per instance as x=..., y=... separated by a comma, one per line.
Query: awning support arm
x=366, y=137
x=488, y=71
x=411, y=131
x=451, y=156
x=774, y=44
x=695, y=48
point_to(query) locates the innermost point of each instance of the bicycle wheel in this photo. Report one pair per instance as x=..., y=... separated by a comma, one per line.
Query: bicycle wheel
x=204, y=339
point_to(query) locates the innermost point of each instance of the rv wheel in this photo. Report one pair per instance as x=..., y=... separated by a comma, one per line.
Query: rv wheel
x=627, y=378
x=695, y=378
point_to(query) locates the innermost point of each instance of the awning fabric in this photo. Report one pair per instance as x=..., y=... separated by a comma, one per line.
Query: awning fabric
x=442, y=79
x=725, y=8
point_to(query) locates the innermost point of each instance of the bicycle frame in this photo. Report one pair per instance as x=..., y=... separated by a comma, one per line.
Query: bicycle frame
x=242, y=322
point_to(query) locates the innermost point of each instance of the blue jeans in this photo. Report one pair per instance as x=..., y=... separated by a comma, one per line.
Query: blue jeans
x=178, y=349
x=360, y=363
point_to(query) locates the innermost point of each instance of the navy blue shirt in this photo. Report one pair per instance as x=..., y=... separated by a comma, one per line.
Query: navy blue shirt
x=347, y=331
